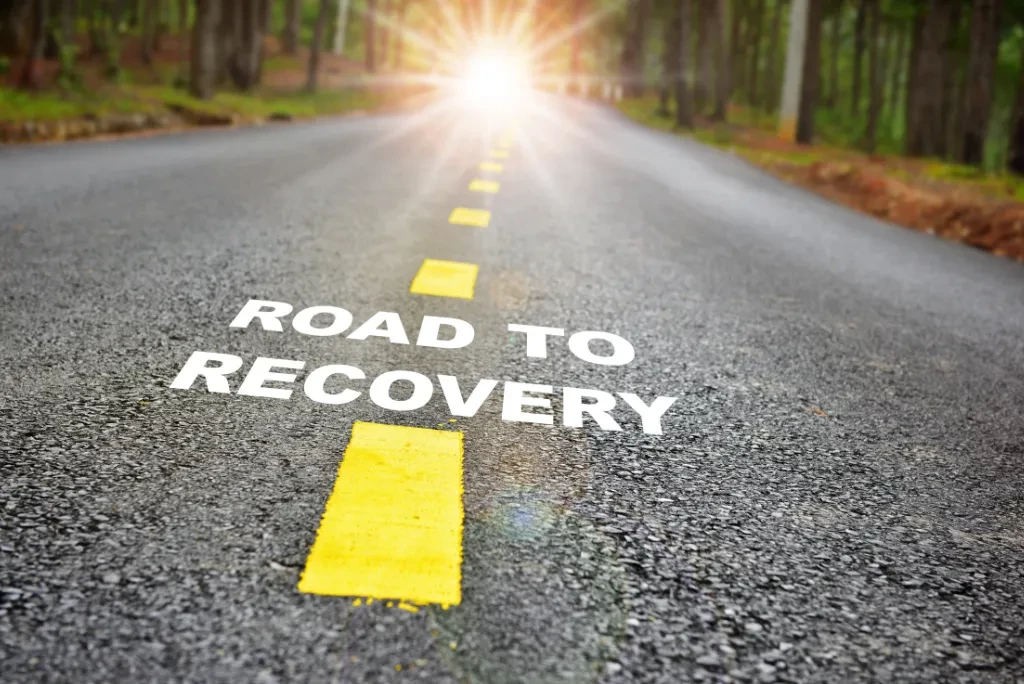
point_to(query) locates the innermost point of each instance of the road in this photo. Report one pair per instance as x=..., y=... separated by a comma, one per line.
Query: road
x=836, y=495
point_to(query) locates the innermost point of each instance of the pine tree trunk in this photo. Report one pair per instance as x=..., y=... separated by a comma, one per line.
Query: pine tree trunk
x=30, y=70
x=858, y=56
x=292, y=20
x=204, y=49
x=147, y=32
x=684, y=107
x=245, y=67
x=11, y=26
x=833, y=66
x=183, y=39
x=314, y=50
x=925, y=123
x=669, y=59
x=913, y=58
x=772, y=86
x=1015, y=153
x=722, y=60
x=368, y=35
x=574, y=40
x=635, y=47
x=68, y=12
x=979, y=79
x=737, y=81
x=403, y=6
x=226, y=39
x=951, y=63
x=895, y=64
x=754, y=42
x=699, y=84
x=811, y=83
x=874, y=10
x=384, y=29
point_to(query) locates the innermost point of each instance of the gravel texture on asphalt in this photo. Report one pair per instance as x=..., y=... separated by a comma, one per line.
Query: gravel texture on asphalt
x=837, y=495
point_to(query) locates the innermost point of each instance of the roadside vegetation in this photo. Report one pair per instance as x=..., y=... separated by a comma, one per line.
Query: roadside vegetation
x=911, y=110
x=79, y=68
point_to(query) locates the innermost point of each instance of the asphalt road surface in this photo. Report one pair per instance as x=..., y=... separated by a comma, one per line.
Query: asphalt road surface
x=836, y=495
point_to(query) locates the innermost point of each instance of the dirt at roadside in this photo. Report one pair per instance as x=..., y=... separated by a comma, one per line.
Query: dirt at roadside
x=983, y=213
x=993, y=225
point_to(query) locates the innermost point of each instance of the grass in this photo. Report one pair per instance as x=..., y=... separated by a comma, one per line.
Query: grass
x=17, y=105
x=747, y=132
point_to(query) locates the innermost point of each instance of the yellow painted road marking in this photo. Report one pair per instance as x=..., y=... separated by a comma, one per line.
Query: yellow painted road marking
x=499, y=154
x=480, y=185
x=392, y=528
x=470, y=217
x=490, y=166
x=445, y=279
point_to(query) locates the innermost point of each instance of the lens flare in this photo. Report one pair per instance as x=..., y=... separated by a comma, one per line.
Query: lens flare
x=494, y=77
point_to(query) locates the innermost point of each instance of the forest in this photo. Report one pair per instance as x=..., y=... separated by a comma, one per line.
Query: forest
x=939, y=79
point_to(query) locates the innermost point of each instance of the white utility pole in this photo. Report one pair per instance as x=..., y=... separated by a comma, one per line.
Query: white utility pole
x=793, y=80
x=340, y=26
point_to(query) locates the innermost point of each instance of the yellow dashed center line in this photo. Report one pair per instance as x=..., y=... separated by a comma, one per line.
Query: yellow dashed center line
x=480, y=185
x=490, y=166
x=479, y=218
x=445, y=279
x=392, y=527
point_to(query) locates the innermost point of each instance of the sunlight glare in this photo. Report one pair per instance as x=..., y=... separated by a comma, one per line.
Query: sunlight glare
x=494, y=77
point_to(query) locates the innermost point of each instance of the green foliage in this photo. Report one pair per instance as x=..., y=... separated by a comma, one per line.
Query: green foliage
x=112, y=70
x=5, y=66
x=19, y=105
x=67, y=75
x=942, y=171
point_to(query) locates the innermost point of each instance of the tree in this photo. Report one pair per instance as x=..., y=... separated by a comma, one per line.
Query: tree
x=368, y=35
x=703, y=55
x=245, y=61
x=204, y=49
x=737, y=46
x=925, y=127
x=913, y=58
x=874, y=16
x=292, y=22
x=833, y=70
x=979, y=81
x=754, y=27
x=341, y=26
x=810, y=83
x=684, y=106
x=147, y=37
x=12, y=15
x=722, y=59
x=68, y=16
x=314, y=49
x=183, y=32
x=403, y=7
x=951, y=77
x=30, y=70
x=634, y=46
x=384, y=31
x=576, y=12
x=1015, y=153
x=669, y=58
x=897, y=64
x=858, y=55
x=770, y=93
